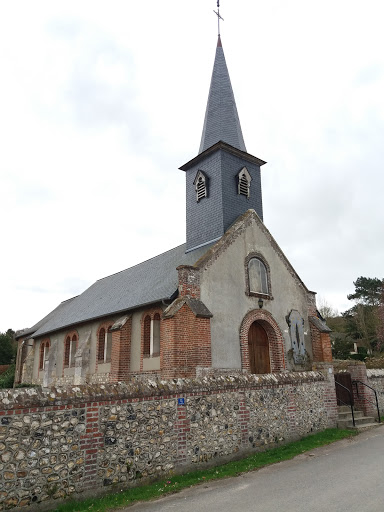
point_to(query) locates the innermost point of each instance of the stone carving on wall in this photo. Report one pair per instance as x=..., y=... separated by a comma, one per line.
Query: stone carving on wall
x=296, y=332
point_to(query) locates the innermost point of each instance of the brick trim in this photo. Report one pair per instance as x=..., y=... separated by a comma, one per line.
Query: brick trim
x=275, y=338
x=189, y=281
x=321, y=345
x=121, y=352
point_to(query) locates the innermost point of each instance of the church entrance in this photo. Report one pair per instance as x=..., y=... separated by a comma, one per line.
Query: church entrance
x=258, y=349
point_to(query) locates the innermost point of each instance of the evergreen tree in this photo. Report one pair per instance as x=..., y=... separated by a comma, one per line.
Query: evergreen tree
x=362, y=321
x=7, y=347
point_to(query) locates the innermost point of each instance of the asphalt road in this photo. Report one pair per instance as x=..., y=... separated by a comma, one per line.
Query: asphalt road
x=345, y=476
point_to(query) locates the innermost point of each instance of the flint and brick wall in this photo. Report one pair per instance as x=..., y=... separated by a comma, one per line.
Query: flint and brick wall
x=375, y=378
x=62, y=442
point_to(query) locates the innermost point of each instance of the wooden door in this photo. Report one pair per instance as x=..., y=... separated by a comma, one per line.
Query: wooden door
x=342, y=395
x=258, y=348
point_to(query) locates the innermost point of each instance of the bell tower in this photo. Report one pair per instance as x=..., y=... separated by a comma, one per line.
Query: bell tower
x=223, y=180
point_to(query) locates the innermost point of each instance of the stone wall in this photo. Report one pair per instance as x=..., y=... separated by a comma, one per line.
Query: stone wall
x=61, y=442
x=376, y=380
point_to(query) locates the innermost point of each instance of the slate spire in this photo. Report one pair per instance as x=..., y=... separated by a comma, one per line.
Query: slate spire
x=221, y=118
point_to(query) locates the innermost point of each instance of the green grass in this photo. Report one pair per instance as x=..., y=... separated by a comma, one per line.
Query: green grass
x=234, y=468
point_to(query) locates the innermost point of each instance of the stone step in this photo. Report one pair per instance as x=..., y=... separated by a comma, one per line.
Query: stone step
x=348, y=414
x=364, y=426
x=345, y=408
x=361, y=421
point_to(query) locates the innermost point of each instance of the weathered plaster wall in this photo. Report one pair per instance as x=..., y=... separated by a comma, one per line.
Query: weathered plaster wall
x=87, y=335
x=223, y=290
x=94, y=374
x=62, y=442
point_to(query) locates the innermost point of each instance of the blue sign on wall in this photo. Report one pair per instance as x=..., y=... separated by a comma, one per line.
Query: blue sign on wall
x=181, y=401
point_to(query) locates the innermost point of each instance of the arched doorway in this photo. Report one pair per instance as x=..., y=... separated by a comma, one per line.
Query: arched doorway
x=258, y=349
x=264, y=319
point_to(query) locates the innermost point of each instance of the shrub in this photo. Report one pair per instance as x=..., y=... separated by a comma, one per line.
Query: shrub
x=7, y=378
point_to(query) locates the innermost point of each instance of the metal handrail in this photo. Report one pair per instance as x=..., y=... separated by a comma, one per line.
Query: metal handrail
x=345, y=403
x=370, y=401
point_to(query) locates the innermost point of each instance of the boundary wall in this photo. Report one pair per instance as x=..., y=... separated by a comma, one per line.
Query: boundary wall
x=63, y=442
x=375, y=378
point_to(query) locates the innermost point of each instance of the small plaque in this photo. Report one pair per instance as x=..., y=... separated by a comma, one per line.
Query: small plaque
x=181, y=401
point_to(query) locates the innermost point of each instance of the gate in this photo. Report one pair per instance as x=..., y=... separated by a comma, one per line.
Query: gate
x=342, y=395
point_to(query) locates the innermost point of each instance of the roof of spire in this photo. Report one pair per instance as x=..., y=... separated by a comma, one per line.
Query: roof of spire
x=221, y=118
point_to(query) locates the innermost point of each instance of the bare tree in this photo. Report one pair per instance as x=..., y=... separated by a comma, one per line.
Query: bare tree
x=325, y=309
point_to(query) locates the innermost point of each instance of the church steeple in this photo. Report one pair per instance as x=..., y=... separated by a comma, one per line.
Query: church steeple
x=221, y=118
x=223, y=181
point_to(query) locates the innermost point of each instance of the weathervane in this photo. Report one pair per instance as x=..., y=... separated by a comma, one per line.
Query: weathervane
x=218, y=16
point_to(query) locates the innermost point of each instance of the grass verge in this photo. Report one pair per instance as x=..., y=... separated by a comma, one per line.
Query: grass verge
x=234, y=468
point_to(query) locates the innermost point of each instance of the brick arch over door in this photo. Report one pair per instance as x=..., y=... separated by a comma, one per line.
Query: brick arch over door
x=275, y=338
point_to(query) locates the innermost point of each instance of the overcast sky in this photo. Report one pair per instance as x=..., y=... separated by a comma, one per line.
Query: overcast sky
x=101, y=102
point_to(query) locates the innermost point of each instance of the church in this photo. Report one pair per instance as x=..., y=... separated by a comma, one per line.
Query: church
x=226, y=301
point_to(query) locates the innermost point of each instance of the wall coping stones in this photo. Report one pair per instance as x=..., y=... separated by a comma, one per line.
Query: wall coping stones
x=147, y=389
x=375, y=373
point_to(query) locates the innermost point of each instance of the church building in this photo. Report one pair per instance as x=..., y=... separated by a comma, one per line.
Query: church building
x=226, y=301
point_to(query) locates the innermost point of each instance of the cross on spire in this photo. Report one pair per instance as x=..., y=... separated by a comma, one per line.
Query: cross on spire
x=218, y=16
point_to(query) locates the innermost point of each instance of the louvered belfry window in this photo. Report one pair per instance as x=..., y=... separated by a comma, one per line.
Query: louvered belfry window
x=200, y=183
x=244, y=182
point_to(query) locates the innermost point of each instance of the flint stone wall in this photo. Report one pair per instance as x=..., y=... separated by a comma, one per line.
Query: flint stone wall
x=376, y=380
x=62, y=442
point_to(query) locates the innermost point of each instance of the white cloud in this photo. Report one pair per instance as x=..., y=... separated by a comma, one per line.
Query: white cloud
x=100, y=106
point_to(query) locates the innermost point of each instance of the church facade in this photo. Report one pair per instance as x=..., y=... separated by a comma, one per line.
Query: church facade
x=227, y=300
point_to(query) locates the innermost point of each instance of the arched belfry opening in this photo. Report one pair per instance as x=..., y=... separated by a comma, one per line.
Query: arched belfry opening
x=261, y=343
x=258, y=349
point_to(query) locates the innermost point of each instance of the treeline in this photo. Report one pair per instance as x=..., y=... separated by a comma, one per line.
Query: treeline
x=362, y=324
x=7, y=347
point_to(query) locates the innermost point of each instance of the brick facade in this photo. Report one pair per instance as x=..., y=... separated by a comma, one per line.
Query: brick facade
x=189, y=281
x=321, y=345
x=363, y=396
x=121, y=352
x=186, y=344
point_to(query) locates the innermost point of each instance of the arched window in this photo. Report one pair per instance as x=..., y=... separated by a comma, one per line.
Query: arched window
x=100, y=352
x=257, y=277
x=108, y=349
x=70, y=348
x=44, y=350
x=156, y=335
x=151, y=335
x=147, y=336
x=104, y=345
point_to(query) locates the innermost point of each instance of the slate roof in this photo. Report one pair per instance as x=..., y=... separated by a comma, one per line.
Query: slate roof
x=320, y=324
x=221, y=118
x=145, y=283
